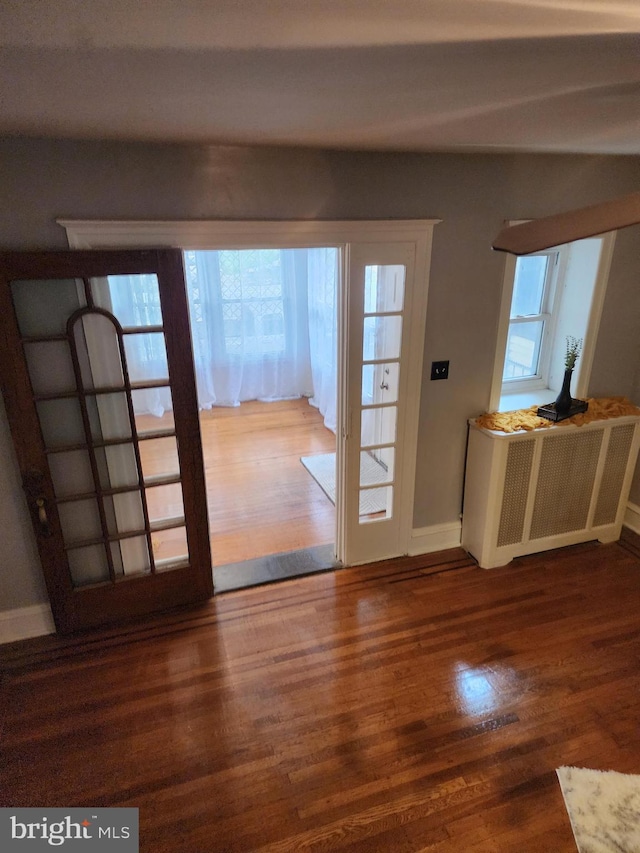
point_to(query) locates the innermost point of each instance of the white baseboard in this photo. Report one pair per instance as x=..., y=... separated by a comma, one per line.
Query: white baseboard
x=25, y=622
x=437, y=537
x=632, y=517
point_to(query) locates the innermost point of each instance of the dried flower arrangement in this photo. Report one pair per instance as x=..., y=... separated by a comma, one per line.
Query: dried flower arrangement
x=574, y=348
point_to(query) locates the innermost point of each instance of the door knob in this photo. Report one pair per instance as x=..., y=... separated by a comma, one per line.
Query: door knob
x=33, y=482
x=43, y=519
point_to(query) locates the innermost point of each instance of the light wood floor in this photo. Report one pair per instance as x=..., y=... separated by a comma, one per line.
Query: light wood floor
x=261, y=499
x=419, y=704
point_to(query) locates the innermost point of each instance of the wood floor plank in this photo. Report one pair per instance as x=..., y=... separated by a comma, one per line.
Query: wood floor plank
x=416, y=704
x=261, y=500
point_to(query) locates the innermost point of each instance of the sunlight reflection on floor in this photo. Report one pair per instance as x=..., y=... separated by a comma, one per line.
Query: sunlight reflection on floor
x=476, y=694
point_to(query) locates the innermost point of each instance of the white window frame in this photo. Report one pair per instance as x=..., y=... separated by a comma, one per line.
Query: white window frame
x=535, y=393
x=548, y=315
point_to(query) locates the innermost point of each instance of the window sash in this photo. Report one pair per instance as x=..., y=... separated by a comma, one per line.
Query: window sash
x=519, y=366
x=548, y=303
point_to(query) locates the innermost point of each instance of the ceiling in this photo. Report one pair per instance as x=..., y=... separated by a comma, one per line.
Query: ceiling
x=404, y=75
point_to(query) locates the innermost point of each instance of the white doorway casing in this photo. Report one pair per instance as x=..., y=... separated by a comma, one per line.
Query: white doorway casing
x=360, y=242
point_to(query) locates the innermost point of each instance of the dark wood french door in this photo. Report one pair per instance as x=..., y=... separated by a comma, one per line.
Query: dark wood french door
x=97, y=375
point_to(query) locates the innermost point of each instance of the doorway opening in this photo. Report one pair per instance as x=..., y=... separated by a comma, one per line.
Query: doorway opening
x=265, y=347
x=380, y=319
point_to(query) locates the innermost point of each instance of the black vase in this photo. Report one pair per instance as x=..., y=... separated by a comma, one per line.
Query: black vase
x=564, y=399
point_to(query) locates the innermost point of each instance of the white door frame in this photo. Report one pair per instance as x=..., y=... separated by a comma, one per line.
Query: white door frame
x=215, y=234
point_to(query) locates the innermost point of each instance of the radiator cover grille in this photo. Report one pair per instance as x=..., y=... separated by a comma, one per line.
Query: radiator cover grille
x=613, y=476
x=565, y=483
x=516, y=489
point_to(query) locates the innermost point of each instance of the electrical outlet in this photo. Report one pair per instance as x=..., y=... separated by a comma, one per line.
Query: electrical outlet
x=439, y=369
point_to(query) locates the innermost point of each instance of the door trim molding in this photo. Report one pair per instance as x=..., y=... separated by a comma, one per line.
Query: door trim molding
x=225, y=234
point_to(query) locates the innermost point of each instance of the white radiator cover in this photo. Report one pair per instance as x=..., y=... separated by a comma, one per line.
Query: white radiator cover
x=532, y=491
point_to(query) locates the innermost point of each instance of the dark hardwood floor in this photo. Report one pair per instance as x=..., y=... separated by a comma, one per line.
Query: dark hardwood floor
x=419, y=704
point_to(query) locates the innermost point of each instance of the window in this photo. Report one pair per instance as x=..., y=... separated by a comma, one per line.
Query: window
x=531, y=321
x=248, y=289
x=547, y=296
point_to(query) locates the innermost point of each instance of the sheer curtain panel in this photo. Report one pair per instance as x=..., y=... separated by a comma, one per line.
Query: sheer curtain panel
x=263, y=324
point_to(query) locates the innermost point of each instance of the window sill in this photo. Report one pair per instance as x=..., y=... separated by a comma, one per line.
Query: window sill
x=511, y=402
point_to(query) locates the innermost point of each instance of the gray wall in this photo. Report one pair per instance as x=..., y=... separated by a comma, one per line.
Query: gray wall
x=43, y=180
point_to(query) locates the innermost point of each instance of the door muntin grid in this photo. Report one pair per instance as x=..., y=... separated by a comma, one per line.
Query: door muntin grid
x=95, y=443
x=383, y=317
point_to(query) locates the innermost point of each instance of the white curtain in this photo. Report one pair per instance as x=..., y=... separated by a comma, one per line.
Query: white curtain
x=249, y=326
x=263, y=323
x=323, y=331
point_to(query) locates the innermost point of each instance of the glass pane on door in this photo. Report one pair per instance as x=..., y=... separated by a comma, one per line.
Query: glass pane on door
x=382, y=336
x=40, y=313
x=380, y=383
x=383, y=288
x=147, y=356
x=378, y=424
x=134, y=300
x=50, y=367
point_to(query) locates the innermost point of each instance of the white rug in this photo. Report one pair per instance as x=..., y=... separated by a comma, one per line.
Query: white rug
x=323, y=470
x=604, y=809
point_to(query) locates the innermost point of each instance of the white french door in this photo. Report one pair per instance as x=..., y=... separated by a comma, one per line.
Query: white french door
x=379, y=444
